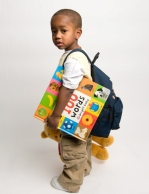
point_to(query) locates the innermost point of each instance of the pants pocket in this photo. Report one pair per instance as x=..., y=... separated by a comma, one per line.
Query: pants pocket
x=72, y=153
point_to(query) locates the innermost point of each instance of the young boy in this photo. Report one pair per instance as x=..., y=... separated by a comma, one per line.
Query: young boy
x=66, y=27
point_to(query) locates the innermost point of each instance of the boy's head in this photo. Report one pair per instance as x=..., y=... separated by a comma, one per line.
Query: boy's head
x=66, y=29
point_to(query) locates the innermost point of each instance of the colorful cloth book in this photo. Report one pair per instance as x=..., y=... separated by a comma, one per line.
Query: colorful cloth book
x=82, y=110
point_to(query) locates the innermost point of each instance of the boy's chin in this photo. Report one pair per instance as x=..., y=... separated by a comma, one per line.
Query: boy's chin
x=60, y=48
x=63, y=48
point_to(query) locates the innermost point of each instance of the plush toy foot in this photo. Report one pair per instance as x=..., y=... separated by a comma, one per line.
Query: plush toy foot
x=99, y=152
x=43, y=135
x=105, y=142
x=51, y=133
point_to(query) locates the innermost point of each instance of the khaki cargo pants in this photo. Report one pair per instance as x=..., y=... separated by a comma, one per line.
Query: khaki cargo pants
x=76, y=155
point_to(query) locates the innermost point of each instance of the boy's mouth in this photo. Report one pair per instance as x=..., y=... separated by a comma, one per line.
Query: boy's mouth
x=59, y=44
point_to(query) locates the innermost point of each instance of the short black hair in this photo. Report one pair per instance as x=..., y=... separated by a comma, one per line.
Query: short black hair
x=74, y=16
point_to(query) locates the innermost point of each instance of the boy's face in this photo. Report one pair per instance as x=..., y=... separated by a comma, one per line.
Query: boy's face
x=64, y=33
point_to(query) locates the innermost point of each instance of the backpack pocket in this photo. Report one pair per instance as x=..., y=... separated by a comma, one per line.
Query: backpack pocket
x=117, y=113
x=102, y=126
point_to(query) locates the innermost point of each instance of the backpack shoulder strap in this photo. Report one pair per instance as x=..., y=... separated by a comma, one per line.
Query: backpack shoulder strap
x=78, y=50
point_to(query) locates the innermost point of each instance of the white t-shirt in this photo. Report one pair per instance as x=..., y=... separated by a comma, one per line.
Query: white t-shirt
x=73, y=72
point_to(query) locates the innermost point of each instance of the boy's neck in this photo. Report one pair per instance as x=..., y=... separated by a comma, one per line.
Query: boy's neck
x=73, y=46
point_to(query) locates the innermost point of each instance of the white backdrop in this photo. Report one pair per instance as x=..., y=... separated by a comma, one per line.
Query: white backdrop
x=119, y=30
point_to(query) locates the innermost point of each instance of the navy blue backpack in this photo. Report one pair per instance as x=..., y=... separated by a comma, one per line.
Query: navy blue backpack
x=110, y=117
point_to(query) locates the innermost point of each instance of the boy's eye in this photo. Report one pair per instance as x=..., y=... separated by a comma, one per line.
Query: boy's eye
x=63, y=31
x=53, y=31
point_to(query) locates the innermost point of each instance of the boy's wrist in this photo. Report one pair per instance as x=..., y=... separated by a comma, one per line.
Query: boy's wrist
x=56, y=115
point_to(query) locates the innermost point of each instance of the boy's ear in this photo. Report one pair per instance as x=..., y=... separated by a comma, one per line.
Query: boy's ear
x=78, y=33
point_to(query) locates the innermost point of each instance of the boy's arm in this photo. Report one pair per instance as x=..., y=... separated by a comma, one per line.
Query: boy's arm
x=62, y=100
x=72, y=76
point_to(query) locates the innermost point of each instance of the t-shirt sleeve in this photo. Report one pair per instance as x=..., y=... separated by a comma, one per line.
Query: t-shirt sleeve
x=73, y=73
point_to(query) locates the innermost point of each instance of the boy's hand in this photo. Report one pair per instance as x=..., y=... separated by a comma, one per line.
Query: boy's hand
x=62, y=100
x=52, y=121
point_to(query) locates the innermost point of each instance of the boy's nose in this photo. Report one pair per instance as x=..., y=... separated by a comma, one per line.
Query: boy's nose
x=58, y=35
